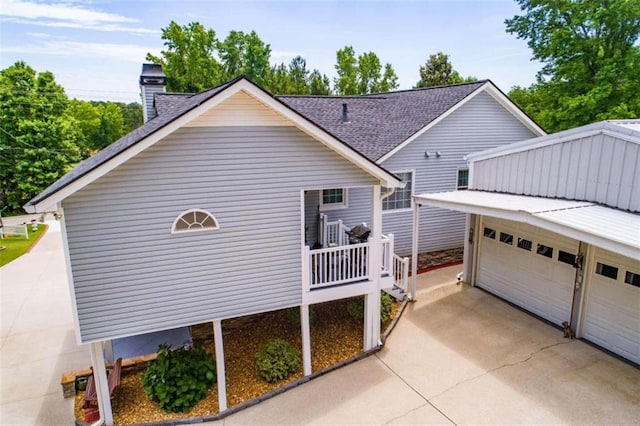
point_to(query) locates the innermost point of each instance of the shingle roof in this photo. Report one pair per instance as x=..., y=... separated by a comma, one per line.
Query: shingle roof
x=165, y=103
x=379, y=123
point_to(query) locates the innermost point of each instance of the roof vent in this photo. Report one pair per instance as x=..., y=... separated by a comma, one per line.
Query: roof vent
x=345, y=113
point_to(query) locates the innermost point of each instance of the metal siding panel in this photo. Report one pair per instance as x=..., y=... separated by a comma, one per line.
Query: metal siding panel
x=554, y=170
x=132, y=276
x=543, y=188
x=630, y=199
x=615, y=173
x=582, y=149
x=603, y=182
x=595, y=154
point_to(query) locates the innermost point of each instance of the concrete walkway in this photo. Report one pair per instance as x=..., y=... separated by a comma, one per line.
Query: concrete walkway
x=37, y=341
x=457, y=356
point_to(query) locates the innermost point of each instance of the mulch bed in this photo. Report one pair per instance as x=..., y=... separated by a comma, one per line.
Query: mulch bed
x=335, y=337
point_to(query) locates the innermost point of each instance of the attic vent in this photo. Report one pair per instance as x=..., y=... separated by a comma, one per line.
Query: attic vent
x=345, y=113
x=153, y=80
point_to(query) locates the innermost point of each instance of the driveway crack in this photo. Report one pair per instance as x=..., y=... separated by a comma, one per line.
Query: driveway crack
x=512, y=364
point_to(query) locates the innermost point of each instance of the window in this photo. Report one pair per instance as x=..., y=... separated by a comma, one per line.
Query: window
x=632, y=278
x=335, y=198
x=401, y=198
x=506, y=238
x=463, y=178
x=525, y=244
x=489, y=233
x=193, y=221
x=607, y=270
x=545, y=251
x=566, y=257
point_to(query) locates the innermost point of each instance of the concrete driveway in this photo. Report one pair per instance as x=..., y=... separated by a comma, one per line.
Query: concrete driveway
x=458, y=355
x=462, y=356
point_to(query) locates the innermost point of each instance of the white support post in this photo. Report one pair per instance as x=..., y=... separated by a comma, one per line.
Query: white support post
x=102, y=385
x=414, y=250
x=220, y=370
x=469, y=244
x=306, y=339
x=108, y=351
x=372, y=300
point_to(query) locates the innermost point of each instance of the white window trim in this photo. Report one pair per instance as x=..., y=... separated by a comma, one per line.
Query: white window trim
x=196, y=230
x=413, y=191
x=458, y=187
x=335, y=206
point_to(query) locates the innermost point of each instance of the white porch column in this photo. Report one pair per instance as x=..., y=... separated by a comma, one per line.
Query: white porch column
x=414, y=250
x=469, y=246
x=306, y=339
x=108, y=351
x=100, y=380
x=372, y=300
x=220, y=370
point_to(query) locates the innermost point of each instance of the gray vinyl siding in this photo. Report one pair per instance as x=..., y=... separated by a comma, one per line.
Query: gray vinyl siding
x=148, y=92
x=311, y=204
x=599, y=168
x=131, y=276
x=479, y=124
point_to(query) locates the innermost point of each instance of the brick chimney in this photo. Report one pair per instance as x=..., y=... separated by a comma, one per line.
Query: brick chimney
x=152, y=81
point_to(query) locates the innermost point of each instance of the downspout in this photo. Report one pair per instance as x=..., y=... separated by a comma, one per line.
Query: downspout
x=387, y=194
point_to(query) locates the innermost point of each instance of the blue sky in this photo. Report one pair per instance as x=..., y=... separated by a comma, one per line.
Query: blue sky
x=96, y=47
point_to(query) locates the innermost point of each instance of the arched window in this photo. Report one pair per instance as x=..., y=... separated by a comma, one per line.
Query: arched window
x=194, y=220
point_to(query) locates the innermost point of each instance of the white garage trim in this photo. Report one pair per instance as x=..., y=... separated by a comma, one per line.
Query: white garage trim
x=608, y=228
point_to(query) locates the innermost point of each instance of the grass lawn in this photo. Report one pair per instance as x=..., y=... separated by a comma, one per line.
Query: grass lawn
x=17, y=245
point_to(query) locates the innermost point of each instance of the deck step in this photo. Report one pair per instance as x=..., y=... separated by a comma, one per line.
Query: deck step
x=396, y=292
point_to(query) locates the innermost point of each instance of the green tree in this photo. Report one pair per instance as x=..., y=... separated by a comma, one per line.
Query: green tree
x=347, y=69
x=189, y=59
x=319, y=84
x=37, y=143
x=590, y=60
x=438, y=71
x=279, y=81
x=299, y=76
x=362, y=74
x=131, y=115
x=244, y=54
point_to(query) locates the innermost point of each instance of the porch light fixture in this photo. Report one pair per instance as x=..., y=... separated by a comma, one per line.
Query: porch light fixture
x=427, y=154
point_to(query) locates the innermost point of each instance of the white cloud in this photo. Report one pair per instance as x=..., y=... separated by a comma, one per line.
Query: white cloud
x=56, y=47
x=81, y=26
x=66, y=15
x=59, y=11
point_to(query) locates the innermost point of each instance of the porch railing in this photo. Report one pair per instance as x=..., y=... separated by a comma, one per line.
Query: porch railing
x=337, y=265
x=387, y=254
x=332, y=233
x=400, y=272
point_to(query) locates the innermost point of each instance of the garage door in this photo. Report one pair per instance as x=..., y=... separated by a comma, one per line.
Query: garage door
x=529, y=267
x=612, y=309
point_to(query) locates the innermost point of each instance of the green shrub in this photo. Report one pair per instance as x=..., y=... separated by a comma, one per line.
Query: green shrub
x=277, y=360
x=178, y=379
x=386, y=304
x=355, y=307
x=294, y=316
